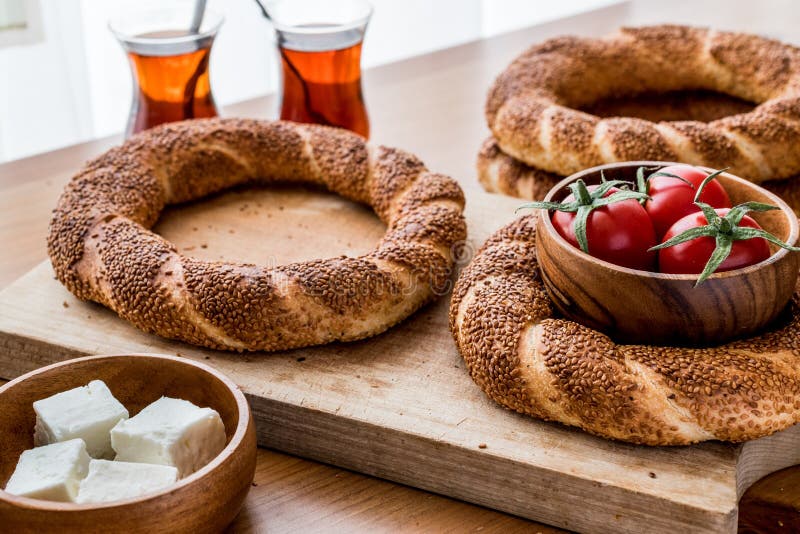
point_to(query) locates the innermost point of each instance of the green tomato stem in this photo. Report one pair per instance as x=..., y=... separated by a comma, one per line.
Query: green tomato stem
x=585, y=202
x=581, y=192
x=725, y=231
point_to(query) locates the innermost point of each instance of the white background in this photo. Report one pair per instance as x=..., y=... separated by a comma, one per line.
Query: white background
x=74, y=83
x=69, y=81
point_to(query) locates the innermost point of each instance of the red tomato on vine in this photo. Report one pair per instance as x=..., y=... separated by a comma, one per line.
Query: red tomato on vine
x=691, y=257
x=606, y=222
x=673, y=197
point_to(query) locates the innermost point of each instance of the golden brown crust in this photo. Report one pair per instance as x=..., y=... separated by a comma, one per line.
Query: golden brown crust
x=695, y=105
x=500, y=173
x=536, y=100
x=531, y=361
x=102, y=249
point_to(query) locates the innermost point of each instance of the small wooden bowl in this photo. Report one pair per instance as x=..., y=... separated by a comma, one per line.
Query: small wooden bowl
x=205, y=501
x=633, y=306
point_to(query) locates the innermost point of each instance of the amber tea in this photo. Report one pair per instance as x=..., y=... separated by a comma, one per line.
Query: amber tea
x=169, y=61
x=170, y=88
x=321, y=69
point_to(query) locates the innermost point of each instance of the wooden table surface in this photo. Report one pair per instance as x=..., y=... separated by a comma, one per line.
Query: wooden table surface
x=431, y=105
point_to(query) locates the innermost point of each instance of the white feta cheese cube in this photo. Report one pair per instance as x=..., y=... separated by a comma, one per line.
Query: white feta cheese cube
x=113, y=481
x=87, y=412
x=52, y=472
x=170, y=432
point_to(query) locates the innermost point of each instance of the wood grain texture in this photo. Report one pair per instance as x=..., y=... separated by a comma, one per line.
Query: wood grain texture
x=638, y=307
x=289, y=494
x=343, y=501
x=772, y=504
x=206, y=501
x=444, y=125
x=399, y=406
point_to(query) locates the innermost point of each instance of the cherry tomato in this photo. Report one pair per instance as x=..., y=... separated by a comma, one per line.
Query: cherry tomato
x=619, y=233
x=672, y=199
x=691, y=257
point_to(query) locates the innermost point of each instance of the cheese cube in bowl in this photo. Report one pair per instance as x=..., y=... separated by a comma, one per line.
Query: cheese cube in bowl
x=170, y=432
x=87, y=412
x=112, y=481
x=52, y=472
x=205, y=501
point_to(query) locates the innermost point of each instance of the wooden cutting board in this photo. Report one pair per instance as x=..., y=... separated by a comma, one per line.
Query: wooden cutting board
x=401, y=405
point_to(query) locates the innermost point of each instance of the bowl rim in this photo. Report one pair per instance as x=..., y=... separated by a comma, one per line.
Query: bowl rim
x=235, y=442
x=794, y=224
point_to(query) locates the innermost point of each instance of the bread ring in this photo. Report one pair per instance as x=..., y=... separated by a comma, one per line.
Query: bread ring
x=533, y=106
x=101, y=248
x=500, y=173
x=530, y=361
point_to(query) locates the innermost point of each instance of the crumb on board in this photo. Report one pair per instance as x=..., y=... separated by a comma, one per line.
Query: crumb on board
x=481, y=445
x=204, y=245
x=651, y=474
x=301, y=359
x=65, y=304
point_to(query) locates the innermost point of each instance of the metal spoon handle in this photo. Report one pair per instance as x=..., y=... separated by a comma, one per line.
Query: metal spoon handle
x=263, y=9
x=197, y=16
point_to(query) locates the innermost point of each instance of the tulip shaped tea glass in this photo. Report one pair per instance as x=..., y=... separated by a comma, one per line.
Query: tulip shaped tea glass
x=319, y=42
x=169, y=65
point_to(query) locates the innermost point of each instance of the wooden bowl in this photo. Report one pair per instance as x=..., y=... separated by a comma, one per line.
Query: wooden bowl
x=633, y=306
x=205, y=501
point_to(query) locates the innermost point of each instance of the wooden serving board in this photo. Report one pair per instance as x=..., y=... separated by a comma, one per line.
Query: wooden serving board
x=400, y=406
